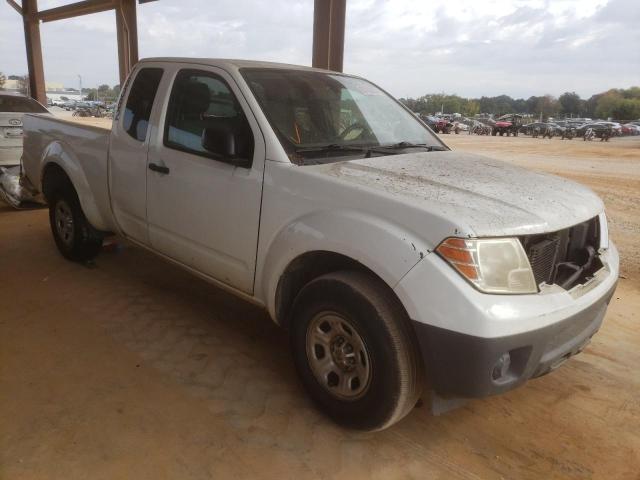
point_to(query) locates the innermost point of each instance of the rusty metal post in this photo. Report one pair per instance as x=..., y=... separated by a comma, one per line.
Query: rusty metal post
x=328, y=34
x=34, y=50
x=127, y=33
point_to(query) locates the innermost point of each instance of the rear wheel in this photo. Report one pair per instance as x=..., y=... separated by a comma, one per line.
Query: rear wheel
x=355, y=350
x=75, y=238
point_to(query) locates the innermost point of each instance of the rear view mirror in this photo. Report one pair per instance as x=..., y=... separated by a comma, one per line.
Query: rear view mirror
x=221, y=142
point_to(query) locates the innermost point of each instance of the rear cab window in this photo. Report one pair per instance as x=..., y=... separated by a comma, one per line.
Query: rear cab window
x=137, y=111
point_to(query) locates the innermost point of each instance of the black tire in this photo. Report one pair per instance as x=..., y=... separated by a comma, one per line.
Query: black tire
x=76, y=240
x=370, y=311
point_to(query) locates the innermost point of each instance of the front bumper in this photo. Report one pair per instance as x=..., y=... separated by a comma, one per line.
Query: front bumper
x=469, y=366
x=474, y=344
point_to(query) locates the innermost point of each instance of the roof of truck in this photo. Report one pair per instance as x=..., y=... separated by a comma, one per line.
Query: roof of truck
x=233, y=63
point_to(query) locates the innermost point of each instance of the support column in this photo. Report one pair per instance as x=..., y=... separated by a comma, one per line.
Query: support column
x=328, y=34
x=127, y=33
x=34, y=50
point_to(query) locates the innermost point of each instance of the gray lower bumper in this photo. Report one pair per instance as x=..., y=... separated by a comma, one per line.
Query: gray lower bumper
x=467, y=366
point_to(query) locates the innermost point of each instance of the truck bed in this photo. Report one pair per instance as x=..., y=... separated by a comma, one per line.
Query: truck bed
x=81, y=150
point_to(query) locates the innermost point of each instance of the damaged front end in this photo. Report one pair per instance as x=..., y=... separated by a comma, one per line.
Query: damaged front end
x=569, y=257
x=16, y=190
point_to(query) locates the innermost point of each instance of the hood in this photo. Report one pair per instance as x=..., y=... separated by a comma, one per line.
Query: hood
x=477, y=195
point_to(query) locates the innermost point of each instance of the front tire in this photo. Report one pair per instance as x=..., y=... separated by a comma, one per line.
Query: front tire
x=355, y=350
x=75, y=238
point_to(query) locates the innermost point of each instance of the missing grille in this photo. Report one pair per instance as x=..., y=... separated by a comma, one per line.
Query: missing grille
x=567, y=257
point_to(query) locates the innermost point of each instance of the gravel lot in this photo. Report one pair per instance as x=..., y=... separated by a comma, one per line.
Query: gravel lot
x=135, y=369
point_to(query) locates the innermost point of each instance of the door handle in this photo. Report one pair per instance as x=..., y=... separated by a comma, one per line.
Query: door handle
x=159, y=168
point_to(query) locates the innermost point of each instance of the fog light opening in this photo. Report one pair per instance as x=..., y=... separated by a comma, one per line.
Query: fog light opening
x=501, y=367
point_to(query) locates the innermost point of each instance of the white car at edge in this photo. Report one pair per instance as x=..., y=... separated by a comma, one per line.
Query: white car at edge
x=12, y=109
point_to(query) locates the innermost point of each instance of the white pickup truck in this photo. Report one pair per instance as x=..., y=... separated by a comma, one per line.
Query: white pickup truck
x=394, y=263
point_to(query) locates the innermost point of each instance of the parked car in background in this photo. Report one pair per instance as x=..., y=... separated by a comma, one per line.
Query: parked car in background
x=507, y=125
x=536, y=128
x=389, y=258
x=69, y=105
x=616, y=128
x=598, y=128
x=12, y=109
x=630, y=129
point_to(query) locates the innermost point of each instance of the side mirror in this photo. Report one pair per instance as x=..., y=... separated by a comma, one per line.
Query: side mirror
x=221, y=142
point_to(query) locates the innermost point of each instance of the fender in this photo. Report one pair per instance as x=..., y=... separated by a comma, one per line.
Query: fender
x=60, y=154
x=391, y=255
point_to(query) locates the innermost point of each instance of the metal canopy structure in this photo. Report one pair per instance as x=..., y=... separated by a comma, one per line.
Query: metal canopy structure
x=127, y=34
x=328, y=34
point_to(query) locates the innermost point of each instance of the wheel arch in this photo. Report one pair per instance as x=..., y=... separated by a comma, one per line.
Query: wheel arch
x=307, y=267
x=58, y=164
x=333, y=239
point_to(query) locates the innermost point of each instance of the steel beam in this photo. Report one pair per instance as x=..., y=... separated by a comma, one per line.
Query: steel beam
x=75, y=10
x=15, y=6
x=328, y=34
x=34, y=50
x=127, y=33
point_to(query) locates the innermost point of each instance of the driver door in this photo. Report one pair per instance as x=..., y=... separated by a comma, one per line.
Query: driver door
x=202, y=209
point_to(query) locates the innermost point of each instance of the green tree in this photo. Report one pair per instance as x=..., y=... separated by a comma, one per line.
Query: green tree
x=618, y=104
x=471, y=108
x=90, y=94
x=570, y=103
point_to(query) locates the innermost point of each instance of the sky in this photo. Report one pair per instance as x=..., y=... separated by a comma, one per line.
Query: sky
x=408, y=47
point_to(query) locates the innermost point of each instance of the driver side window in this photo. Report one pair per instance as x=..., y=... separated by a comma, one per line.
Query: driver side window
x=203, y=101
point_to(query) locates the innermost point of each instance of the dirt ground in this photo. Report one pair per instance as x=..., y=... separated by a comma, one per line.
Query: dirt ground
x=135, y=369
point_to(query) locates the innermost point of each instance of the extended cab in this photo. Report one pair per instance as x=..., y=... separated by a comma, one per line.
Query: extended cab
x=393, y=262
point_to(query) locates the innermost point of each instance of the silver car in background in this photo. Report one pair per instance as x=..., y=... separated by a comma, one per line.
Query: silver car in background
x=12, y=108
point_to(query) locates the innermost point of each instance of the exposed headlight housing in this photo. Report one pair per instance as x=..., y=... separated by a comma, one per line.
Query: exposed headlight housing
x=492, y=265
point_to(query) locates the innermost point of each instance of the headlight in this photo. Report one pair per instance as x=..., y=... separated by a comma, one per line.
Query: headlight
x=492, y=265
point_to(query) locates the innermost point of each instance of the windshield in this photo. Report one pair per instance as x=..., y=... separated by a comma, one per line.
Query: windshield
x=10, y=103
x=315, y=112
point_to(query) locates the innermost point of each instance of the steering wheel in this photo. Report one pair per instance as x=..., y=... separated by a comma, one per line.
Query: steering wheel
x=354, y=126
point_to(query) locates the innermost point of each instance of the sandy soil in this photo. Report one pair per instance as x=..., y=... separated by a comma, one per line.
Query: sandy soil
x=135, y=369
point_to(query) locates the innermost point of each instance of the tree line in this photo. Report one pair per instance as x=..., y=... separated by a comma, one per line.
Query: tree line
x=618, y=103
x=103, y=93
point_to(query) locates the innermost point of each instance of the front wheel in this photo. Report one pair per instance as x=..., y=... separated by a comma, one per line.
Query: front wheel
x=355, y=350
x=75, y=238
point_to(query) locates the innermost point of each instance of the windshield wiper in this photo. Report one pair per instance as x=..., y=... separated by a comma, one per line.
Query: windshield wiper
x=367, y=150
x=399, y=145
x=403, y=145
x=333, y=147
